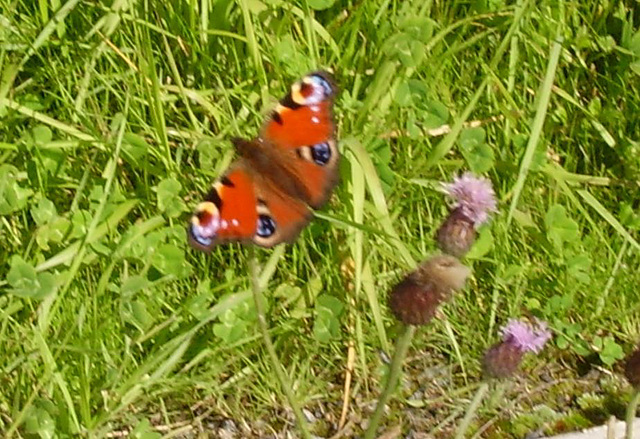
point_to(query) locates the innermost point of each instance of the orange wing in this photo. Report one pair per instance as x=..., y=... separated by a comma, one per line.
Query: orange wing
x=280, y=217
x=228, y=212
x=302, y=124
x=239, y=208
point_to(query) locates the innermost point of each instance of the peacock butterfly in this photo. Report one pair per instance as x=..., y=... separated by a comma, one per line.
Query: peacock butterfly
x=266, y=196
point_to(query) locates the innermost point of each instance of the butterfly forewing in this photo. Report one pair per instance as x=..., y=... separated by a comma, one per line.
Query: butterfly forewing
x=303, y=124
x=228, y=212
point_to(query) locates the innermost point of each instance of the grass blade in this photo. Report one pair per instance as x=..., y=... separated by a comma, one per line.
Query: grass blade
x=608, y=217
x=538, y=122
x=445, y=145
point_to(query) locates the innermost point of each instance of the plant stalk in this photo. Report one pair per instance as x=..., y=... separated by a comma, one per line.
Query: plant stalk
x=402, y=345
x=258, y=298
x=631, y=414
x=471, y=410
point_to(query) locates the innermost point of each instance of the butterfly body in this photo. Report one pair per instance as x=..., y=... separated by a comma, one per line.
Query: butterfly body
x=266, y=196
x=264, y=159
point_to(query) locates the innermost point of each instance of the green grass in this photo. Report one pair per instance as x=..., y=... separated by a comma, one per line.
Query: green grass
x=116, y=117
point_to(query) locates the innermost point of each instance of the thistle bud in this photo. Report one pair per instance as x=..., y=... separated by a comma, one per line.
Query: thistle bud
x=518, y=338
x=502, y=360
x=456, y=235
x=415, y=299
x=632, y=368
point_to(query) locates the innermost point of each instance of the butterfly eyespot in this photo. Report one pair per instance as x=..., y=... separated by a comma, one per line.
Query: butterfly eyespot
x=322, y=82
x=195, y=235
x=312, y=90
x=266, y=226
x=204, y=227
x=321, y=153
x=206, y=211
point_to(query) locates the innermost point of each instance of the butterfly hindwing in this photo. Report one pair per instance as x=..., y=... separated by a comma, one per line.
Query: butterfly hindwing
x=280, y=217
x=317, y=166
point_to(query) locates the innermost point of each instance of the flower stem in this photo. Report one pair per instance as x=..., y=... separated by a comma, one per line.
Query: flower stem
x=402, y=345
x=471, y=410
x=258, y=298
x=631, y=414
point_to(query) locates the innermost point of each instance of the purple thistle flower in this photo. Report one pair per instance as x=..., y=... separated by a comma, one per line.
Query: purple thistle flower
x=527, y=337
x=502, y=359
x=473, y=196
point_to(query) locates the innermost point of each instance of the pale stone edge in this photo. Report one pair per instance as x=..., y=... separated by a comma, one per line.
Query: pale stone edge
x=611, y=430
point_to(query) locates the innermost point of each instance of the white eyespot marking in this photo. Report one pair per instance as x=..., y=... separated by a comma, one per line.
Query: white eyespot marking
x=262, y=209
x=235, y=222
x=207, y=207
x=314, y=119
x=281, y=109
x=296, y=94
x=224, y=224
x=314, y=108
x=305, y=153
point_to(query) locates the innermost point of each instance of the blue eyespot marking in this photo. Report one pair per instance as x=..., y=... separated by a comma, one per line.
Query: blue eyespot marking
x=195, y=234
x=320, y=81
x=266, y=226
x=321, y=153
